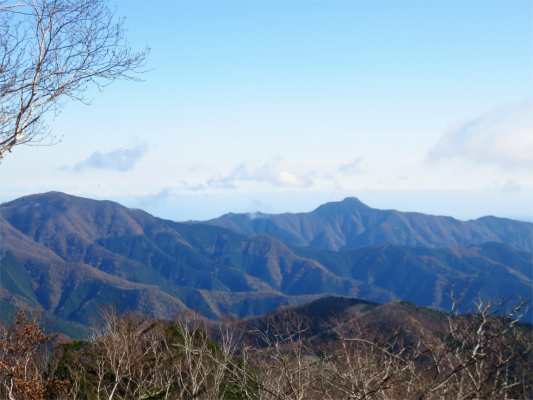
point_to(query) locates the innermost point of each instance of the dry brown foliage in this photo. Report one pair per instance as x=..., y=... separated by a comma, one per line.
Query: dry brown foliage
x=22, y=373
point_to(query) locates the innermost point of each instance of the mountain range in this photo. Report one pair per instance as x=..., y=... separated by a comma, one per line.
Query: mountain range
x=68, y=255
x=350, y=224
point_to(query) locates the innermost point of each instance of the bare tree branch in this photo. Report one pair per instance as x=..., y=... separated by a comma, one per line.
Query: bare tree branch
x=52, y=51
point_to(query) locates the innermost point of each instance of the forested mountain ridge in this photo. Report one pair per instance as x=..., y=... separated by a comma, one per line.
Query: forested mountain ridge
x=349, y=224
x=67, y=255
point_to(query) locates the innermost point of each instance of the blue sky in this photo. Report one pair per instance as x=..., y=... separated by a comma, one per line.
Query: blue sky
x=279, y=106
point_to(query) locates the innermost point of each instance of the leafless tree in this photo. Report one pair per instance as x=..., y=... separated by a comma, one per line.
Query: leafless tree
x=126, y=356
x=482, y=354
x=202, y=367
x=52, y=51
x=193, y=367
x=286, y=367
x=366, y=364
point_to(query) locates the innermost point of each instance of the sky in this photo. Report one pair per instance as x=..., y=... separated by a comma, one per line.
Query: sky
x=281, y=106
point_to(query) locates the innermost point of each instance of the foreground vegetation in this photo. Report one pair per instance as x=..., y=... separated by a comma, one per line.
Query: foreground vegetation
x=284, y=355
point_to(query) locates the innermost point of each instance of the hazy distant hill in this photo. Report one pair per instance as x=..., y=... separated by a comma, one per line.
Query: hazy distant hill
x=350, y=224
x=67, y=255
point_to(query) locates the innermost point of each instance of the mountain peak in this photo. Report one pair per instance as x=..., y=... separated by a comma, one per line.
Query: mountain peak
x=348, y=204
x=354, y=202
x=37, y=198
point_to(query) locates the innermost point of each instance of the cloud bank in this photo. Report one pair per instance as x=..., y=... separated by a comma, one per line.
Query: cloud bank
x=119, y=160
x=502, y=136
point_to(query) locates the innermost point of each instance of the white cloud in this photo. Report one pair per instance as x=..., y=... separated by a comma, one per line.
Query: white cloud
x=351, y=168
x=220, y=182
x=119, y=160
x=502, y=136
x=269, y=173
x=284, y=178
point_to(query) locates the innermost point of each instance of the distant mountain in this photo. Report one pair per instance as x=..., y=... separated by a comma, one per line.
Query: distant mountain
x=67, y=255
x=349, y=224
